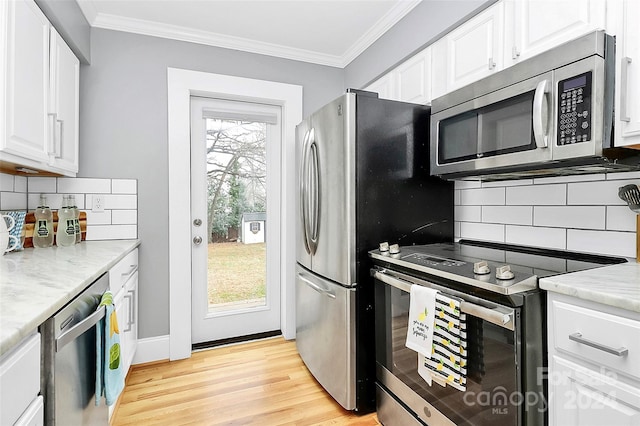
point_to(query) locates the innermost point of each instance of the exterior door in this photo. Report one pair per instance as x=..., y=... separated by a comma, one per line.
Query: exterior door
x=235, y=213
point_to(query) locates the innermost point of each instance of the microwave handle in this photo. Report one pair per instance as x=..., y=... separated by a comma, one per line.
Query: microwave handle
x=541, y=114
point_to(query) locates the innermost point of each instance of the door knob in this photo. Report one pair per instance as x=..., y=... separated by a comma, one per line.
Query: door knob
x=197, y=222
x=197, y=240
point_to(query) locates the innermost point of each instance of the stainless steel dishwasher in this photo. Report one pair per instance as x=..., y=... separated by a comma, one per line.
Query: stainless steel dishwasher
x=69, y=360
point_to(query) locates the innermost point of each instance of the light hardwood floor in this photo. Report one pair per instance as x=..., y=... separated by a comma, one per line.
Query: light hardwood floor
x=261, y=383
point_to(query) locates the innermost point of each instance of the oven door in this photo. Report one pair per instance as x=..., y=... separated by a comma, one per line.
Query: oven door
x=506, y=128
x=493, y=389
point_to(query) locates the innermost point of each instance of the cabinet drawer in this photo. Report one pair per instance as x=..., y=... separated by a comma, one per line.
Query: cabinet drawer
x=594, y=335
x=121, y=271
x=34, y=416
x=19, y=379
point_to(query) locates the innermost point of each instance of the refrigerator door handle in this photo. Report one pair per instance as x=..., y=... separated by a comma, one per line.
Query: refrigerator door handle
x=317, y=288
x=315, y=197
x=304, y=203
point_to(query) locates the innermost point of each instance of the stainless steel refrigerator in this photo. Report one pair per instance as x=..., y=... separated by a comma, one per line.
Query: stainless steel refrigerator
x=363, y=178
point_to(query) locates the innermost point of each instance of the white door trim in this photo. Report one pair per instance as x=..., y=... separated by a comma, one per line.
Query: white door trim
x=181, y=84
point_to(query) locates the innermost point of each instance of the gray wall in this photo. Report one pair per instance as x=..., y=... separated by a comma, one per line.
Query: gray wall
x=423, y=25
x=68, y=19
x=123, y=130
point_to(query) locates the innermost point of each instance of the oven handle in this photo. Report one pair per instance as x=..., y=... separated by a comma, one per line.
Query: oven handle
x=501, y=317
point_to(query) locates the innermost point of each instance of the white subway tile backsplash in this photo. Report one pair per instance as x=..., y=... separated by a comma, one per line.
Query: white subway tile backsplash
x=537, y=195
x=567, y=179
x=111, y=232
x=623, y=175
x=620, y=218
x=124, y=217
x=603, y=242
x=467, y=213
x=41, y=184
x=514, y=215
x=85, y=185
x=113, y=202
x=20, y=184
x=597, y=193
x=99, y=218
x=536, y=236
x=482, y=196
x=581, y=217
x=124, y=186
x=467, y=184
x=6, y=183
x=482, y=231
x=503, y=183
x=13, y=201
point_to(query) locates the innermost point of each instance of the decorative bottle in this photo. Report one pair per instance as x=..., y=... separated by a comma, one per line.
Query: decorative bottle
x=43, y=230
x=66, y=234
x=76, y=217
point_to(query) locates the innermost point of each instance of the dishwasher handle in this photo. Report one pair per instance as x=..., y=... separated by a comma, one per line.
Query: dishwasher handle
x=84, y=325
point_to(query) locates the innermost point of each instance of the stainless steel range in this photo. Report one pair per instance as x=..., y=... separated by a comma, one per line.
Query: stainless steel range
x=496, y=286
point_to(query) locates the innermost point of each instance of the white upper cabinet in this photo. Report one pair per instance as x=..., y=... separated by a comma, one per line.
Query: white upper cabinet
x=408, y=82
x=412, y=79
x=471, y=51
x=39, y=84
x=383, y=87
x=627, y=103
x=63, y=105
x=534, y=26
x=25, y=80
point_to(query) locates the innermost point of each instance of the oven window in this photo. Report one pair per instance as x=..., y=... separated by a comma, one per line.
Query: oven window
x=500, y=128
x=491, y=366
x=507, y=126
x=458, y=140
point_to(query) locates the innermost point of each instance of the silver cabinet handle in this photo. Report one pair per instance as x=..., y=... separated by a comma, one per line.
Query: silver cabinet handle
x=577, y=337
x=129, y=273
x=540, y=109
x=84, y=325
x=129, y=321
x=624, y=86
x=515, y=53
x=197, y=240
x=52, y=134
x=492, y=64
x=60, y=133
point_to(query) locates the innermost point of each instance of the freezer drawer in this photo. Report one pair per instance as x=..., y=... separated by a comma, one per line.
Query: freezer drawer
x=325, y=334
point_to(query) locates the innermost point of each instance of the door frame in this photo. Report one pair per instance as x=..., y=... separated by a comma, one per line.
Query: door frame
x=181, y=85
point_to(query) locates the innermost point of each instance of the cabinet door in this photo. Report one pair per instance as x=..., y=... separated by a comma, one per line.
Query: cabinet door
x=474, y=49
x=535, y=26
x=580, y=396
x=64, y=105
x=383, y=87
x=413, y=79
x=628, y=75
x=26, y=82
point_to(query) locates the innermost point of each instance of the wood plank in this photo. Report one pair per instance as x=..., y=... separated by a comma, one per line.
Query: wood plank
x=262, y=382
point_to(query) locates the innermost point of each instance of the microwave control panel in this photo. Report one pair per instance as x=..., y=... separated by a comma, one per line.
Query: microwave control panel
x=574, y=110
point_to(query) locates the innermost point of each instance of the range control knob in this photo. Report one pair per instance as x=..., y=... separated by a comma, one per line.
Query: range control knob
x=384, y=247
x=481, y=268
x=504, y=272
x=394, y=249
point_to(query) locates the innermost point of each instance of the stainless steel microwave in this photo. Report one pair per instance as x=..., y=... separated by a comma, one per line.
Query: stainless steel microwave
x=551, y=114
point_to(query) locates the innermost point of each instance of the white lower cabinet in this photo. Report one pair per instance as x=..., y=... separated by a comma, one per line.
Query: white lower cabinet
x=123, y=282
x=20, y=384
x=594, y=363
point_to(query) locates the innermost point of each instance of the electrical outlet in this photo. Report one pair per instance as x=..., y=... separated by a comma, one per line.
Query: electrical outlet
x=98, y=203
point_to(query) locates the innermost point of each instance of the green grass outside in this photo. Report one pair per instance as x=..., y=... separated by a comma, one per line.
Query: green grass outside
x=236, y=272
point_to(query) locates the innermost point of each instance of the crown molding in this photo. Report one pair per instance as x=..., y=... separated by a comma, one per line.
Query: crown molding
x=395, y=14
x=175, y=32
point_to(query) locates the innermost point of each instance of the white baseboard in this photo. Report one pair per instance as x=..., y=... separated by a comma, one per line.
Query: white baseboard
x=152, y=349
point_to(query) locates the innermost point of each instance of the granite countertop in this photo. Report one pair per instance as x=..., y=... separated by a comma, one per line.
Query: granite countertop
x=36, y=283
x=615, y=285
